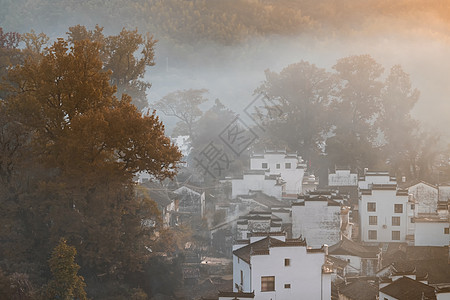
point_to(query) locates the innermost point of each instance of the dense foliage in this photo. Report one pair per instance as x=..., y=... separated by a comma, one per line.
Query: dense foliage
x=69, y=151
x=226, y=22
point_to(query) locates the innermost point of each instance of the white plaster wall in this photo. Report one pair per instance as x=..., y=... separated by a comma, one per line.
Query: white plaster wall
x=411, y=213
x=304, y=273
x=425, y=196
x=383, y=296
x=371, y=179
x=444, y=193
x=238, y=266
x=385, y=201
x=443, y=296
x=431, y=234
x=255, y=182
x=342, y=178
x=292, y=176
x=354, y=263
x=317, y=222
x=326, y=286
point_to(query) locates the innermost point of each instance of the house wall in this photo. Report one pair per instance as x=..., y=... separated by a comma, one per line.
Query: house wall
x=293, y=176
x=354, y=263
x=256, y=182
x=431, y=234
x=385, y=201
x=316, y=221
x=425, y=196
x=342, y=178
x=374, y=178
x=443, y=296
x=304, y=274
x=238, y=266
x=444, y=193
x=383, y=296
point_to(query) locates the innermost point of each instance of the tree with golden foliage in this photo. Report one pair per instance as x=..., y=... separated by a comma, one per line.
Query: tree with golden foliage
x=76, y=148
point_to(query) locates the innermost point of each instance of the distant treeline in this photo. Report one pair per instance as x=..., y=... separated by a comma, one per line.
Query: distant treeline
x=226, y=22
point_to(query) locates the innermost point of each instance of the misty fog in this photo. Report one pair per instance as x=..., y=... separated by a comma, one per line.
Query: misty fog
x=240, y=69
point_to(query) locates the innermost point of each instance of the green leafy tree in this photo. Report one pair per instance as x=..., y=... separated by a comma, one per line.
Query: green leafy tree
x=66, y=283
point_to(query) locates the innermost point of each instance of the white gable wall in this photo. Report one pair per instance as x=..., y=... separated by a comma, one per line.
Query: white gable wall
x=316, y=221
x=425, y=197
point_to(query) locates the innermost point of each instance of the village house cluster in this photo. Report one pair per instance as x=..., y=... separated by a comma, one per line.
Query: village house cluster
x=361, y=236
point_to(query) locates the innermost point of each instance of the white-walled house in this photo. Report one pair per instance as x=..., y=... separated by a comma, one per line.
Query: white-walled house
x=342, y=177
x=257, y=180
x=290, y=166
x=425, y=197
x=317, y=219
x=383, y=209
x=375, y=177
x=278, y=268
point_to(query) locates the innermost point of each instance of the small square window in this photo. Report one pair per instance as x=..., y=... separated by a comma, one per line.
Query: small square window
x=264, y=165
x=412, y=220
x=395, y=235
x=373, y=220
x=278, y=166
x=267, y=283
x=446, y=230
x=413, y=206
x=287, y=262
x=395, y=221
x=287, y=286
x=371, y=206
x=398, y=208
x=287, y=165
x=372, y=234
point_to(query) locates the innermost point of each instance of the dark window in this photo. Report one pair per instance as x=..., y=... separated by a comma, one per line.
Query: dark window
x=278, y=166
x=267, y=283
x=287, y=286
x=372, y=234
x=373, y=220
x=395, y=235
x=242, y=278
x=446, y=230
x=287, y=262
x=398, y=208
x=287, y=165
x=371, y=206
x=264, y=165
x=412, y=220
x=413, y=206
x=395, y=221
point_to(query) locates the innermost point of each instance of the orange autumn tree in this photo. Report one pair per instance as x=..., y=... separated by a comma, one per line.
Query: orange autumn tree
x=83, y=147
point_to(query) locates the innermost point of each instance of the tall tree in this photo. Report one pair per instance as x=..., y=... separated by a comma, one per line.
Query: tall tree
x=398, y=127
x=66, y=283
x=83, y=148
x=303, y=92
x=183, y=105
x=355, y=112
